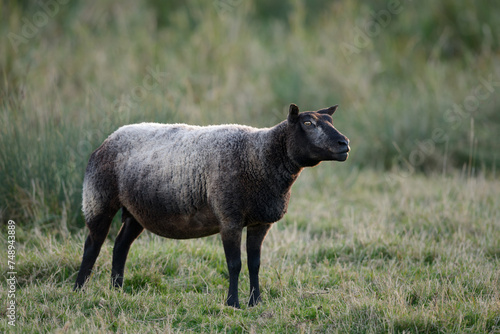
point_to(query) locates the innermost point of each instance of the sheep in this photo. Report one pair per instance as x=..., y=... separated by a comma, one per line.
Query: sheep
x=180, y=181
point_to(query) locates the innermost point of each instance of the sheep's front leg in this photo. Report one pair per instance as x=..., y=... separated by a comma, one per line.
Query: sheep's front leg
x=255, y=237
x=231, y=239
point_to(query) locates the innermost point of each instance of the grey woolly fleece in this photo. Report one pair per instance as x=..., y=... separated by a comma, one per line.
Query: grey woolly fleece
x=181, y=181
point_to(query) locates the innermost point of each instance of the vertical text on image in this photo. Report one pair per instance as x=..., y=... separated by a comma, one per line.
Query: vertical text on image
x=11, y=273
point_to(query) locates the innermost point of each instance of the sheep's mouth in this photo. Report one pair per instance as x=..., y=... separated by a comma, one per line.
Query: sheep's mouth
x=342, y=155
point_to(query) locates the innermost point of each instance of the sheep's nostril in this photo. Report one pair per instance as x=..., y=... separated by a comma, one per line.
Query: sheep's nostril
x=343, y=145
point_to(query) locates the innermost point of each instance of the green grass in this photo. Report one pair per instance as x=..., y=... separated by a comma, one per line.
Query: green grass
x=403, y=237
x=87, y=71
x=415, y=256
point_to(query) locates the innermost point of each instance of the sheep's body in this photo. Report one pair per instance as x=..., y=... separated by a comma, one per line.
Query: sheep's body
x=182, y=181
x=176, y=180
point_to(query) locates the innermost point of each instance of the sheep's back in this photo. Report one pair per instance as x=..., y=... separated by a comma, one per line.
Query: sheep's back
x=168, y=169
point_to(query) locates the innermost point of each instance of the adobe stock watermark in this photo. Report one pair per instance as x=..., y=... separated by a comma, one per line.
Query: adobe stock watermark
x=371, y=28
x=150, y=82
x=454, y=117
x=11, y=273
x=225, y=8
x=482, y=92
x=154, y=78
x=127, y=102
x=32, y=25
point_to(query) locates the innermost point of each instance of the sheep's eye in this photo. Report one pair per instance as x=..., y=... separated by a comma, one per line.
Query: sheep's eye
x=307, y=123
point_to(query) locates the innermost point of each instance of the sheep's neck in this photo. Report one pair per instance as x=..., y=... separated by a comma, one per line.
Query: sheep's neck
x=284, y=169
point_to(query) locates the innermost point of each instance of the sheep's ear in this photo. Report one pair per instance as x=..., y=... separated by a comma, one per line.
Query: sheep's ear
x=293, y=113
x=328, y=111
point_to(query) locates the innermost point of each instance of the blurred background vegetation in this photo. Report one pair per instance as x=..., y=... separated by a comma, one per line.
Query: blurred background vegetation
x=417, y=82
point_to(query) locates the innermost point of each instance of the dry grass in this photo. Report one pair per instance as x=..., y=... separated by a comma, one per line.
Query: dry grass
x=354, y=254
x=403, y=237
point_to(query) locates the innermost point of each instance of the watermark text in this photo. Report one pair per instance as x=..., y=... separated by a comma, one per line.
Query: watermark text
x=11, y=273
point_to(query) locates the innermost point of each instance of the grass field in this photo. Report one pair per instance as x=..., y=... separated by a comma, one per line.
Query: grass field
x=353, y=255
x=402, y=237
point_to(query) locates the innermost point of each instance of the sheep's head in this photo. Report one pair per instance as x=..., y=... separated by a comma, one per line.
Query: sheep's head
x=313, y=138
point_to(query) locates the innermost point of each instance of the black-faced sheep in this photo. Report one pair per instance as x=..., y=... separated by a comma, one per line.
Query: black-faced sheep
x=181, y=181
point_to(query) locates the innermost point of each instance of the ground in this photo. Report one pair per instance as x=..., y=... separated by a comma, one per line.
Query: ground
x=358, y=252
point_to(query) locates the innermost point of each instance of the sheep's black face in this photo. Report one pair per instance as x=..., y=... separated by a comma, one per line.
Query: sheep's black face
x=313, y=138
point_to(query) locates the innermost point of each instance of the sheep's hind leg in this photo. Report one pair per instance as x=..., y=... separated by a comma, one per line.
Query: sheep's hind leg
x=130, y=230
x=255, y=237
x=99, y=228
